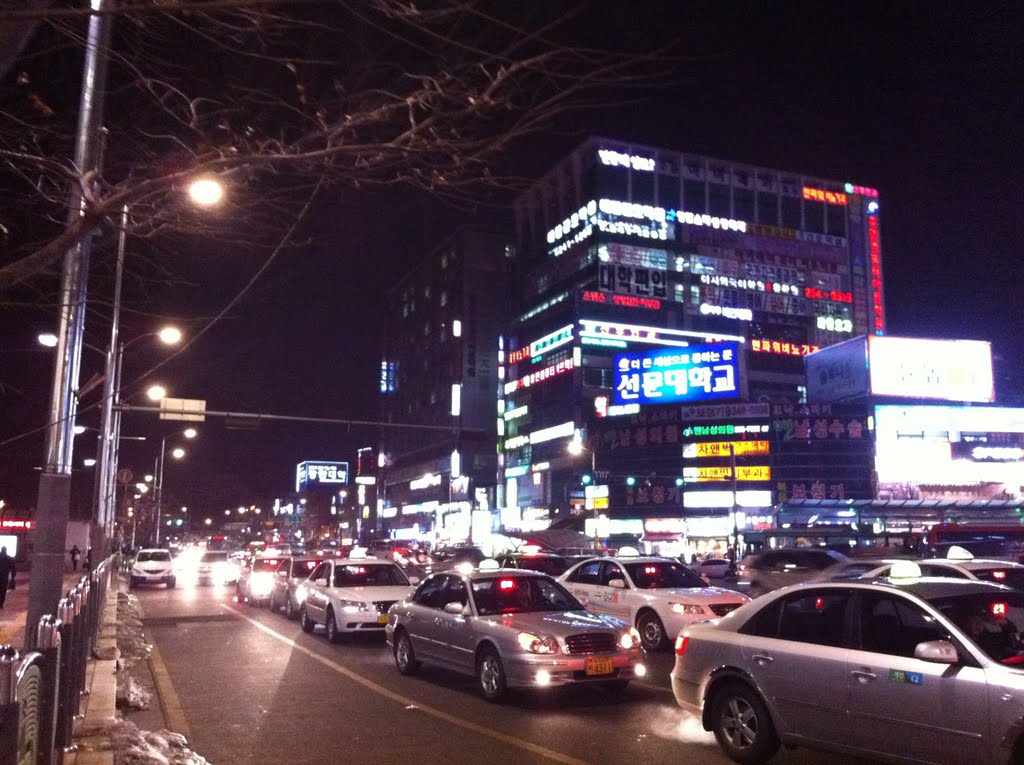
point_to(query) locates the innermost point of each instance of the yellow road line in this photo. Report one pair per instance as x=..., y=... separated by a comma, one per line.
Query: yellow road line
x=174, y=714
x=406, y=701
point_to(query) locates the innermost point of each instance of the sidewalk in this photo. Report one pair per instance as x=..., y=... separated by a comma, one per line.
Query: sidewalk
x=12, y=615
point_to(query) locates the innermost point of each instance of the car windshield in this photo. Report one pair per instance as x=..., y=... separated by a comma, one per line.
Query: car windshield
x=653, y=575
x=1011, y=576
x=369, y=576
x=214, y=557
x=521, y=594
x=153, y=555
x=266, y=564
x=993, y=620
x=546, y=565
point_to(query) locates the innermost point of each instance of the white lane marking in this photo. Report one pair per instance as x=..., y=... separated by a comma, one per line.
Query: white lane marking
x=405, y=701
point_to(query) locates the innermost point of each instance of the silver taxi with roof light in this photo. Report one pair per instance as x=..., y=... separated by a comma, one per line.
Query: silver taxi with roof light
x=909, y=668
x=658, y=596
x=287, y=580
x=511, y=628
x=349, y=595
x=958, y=564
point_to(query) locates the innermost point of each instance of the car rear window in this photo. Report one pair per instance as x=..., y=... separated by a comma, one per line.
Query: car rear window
x=303, y=567
x=213, y=557
x=1011, y=576
x=266, y=564
x=368, y=576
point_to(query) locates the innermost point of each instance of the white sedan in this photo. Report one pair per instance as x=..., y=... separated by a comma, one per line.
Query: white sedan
x=659, y=596
x=349, y=595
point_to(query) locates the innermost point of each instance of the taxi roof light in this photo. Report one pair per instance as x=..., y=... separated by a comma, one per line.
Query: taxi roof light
x=489, y=564
x=956, y=552
x=904, y=569
x=628, y=552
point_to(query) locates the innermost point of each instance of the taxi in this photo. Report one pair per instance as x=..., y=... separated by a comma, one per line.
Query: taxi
x=256, y=582
x=658, y=596
x=908, y=667
x=348, y=595
x=511, y=628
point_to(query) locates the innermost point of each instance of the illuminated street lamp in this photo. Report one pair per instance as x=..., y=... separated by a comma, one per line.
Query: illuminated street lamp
x=206, y=191
x=156, y=392
x=177, y=453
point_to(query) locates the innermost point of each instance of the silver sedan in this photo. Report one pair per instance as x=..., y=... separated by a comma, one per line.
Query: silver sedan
x=511, y=628
x=909, y=668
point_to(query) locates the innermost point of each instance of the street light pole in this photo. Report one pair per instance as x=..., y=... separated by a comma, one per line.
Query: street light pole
x=735, y=507
x=54, y=501
x=159, y=489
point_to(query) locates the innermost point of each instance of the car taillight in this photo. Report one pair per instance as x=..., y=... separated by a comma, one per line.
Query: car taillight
x=682, y=641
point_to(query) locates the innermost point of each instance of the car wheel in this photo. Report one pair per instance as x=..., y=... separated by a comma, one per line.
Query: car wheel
x=305, y=622
x=491, y=674
x=652, y=631
x=333, y=636
x=405, y=656
x=289, y=609
x=171, y=583
x=742, y=725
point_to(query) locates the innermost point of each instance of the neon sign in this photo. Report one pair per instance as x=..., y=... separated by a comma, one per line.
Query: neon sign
x=628, y=301
x=875, y=247
x=724, y=448
x=618, y=159
x=667, y=375
x=835, y=296
x=834, y=324
x=15, y=523
x=779, y=346
x=603, y=409
x=727, y=312
x=865, y=191
x=711, y=221
x=565, y=365
x=616, y=333
x=749, y=284
x=743, y=473
x=820, y=195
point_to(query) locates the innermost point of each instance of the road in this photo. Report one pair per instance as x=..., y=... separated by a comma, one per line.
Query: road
x=248, y=686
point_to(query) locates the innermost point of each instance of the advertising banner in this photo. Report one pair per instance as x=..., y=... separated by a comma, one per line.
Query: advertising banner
x=694, y=373
x=311, y=474
x=946, y=370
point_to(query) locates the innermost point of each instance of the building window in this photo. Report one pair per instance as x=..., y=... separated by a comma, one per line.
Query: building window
x=718, y=200
x=835, y=220
x=814, y=217
x=643, y=188
x=693, y=197
x=791, y=213
x=743, y=204
x=768, y=208
x=668, y=191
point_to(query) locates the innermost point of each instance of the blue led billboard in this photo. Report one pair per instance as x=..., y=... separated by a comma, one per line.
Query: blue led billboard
x=667, y=375
x=311, y=474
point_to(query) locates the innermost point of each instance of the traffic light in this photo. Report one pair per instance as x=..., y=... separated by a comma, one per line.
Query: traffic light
x=630, y=481
x=586, y=479
x=680, y=482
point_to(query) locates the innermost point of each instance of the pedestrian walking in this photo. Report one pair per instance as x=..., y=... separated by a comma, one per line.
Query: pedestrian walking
x=88, y=559
x=7, y=574
x=74, y=552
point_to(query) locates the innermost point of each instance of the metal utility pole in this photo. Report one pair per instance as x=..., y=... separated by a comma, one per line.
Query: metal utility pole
x=54, y=500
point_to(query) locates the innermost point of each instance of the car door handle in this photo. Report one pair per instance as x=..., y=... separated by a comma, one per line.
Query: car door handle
x=761, y=659
x=863, y=676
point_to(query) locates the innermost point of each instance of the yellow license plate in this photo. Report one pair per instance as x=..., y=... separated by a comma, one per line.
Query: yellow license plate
x=382, y=620
x=600, y=666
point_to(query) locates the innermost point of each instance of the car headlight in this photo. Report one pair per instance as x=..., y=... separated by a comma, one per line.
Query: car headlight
x=261, y=584
x=688, y=608
x=301, y=592
x=535, y=644
x=630, y=639
x=354, y=606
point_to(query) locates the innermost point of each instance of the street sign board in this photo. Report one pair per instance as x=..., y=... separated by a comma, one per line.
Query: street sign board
x=190, y=409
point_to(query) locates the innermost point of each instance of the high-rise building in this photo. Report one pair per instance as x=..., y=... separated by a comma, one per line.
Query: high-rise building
x=628, y=258
x=437, y=379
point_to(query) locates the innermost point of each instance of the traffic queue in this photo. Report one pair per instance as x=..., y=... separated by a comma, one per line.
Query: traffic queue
x=919, y=660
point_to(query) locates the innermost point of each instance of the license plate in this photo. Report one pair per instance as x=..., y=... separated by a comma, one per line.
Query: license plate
x=600, y=666
x=382, y=620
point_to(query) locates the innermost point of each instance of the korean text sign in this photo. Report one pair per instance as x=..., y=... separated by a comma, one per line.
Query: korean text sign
x=667, y=375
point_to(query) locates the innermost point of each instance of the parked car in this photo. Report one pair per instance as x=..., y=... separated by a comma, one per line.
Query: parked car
x=511, y=628
x=962, y=565
x=909, y=668
x=658, y=596
x=456, y=555
x=291, y=574
x=256, y=582
x=548, y=563
x=349, y=595
x=152, y=566
x=772, y=569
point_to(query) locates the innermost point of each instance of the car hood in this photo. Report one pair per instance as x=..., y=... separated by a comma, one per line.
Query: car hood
x=696, y=595
x=559, y=623
x=372, y=594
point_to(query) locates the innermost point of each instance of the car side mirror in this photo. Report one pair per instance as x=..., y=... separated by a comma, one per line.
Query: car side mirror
x=455, y=608
x=414, y=580
x=618, y=584
x=938, y=651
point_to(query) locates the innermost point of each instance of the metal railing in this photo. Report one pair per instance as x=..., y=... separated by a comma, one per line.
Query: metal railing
x=41, y=691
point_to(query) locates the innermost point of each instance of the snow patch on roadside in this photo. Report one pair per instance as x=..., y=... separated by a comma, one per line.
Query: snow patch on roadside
x=132, y=746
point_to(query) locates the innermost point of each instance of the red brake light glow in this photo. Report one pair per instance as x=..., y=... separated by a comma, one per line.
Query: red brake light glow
x=681, y=643
x=999, y=575
x=506, y=584
x=819, y=603
x=310, y=564
x=650, y=569
x=998, y=609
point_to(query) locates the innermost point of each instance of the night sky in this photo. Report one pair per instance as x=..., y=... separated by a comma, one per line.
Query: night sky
x=919, y=100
